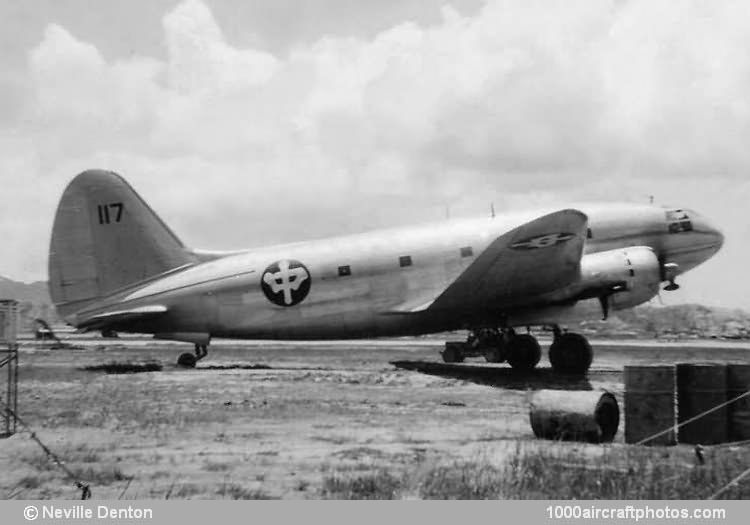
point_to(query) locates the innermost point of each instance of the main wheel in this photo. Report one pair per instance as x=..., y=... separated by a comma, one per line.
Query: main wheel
x=571, y=354
x=187, y=360
x=523, y=352
x=452, y=353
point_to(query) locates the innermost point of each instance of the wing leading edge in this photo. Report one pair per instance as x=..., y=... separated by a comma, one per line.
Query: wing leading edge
x=520, y=266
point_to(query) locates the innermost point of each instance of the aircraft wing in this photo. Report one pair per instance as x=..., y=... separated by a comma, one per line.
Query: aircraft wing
x=118, y=317
x=518, y=267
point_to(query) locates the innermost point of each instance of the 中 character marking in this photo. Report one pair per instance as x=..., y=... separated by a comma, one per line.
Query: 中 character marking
x=286, y=282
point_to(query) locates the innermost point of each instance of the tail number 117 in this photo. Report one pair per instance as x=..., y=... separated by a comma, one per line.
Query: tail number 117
x=109, y=213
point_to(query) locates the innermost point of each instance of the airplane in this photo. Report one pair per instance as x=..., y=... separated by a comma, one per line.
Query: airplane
x=115, y=266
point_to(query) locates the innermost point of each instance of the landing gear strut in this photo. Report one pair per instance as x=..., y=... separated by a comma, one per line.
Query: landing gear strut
x=570, y=353
x=188, y=360
x=669, y=273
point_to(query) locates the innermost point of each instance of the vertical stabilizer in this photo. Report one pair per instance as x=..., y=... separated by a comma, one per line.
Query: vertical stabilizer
x=105, y=237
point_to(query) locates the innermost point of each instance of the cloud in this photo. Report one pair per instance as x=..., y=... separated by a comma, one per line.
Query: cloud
x=520, y=88
x=82, y=104
x=201, y=60
x=519, y=102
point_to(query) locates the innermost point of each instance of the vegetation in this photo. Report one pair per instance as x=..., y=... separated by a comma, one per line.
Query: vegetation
x=302, y=431
x=558, y=472
x=376, y=485
x=235, y=491
x=684, y=320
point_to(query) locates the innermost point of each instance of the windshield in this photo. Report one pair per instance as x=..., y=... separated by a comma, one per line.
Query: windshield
x=678, y=220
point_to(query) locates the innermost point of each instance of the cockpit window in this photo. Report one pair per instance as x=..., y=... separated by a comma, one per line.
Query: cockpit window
x=679, y=221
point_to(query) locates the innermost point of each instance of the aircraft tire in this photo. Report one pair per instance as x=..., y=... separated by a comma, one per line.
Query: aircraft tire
x=187, y=360
x=523, y=352
x=452, y=354
x=571, y=354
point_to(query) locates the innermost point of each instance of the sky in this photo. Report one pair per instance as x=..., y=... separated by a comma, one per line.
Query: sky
x=246, y=123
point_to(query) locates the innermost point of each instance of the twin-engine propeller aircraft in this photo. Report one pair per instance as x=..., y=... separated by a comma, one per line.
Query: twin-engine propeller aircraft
x=115, y=266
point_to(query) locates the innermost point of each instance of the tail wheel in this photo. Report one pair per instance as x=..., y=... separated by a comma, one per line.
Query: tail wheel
x=571, y=354
x=187, y=360
x=523, y=352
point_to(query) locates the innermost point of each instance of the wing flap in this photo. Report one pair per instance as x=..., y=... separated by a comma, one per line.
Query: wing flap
x=411, y=307
x=522, y=265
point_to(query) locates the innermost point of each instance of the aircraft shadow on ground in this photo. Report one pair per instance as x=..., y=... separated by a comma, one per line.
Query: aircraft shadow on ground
x=235, y=367
x=500, y=377
x=124, y=367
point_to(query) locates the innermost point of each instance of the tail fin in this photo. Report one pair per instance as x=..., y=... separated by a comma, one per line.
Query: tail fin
x=105, y=237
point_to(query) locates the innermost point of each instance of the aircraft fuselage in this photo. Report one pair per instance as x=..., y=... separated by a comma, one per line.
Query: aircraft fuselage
x=372, y=284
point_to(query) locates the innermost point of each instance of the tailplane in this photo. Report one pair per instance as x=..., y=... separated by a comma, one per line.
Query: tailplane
x=105, y=238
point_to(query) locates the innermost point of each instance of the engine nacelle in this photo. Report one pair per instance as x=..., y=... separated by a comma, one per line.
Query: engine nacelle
x=626, y=276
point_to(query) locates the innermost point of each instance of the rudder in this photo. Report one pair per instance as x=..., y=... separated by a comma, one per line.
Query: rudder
x=104, y=238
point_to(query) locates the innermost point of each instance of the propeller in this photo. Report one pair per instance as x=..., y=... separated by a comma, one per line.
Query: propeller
x=604, y=298
x=604, y=302
x=669, y=272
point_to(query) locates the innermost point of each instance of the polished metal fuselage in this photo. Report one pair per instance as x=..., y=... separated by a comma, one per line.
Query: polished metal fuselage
x=377, y=296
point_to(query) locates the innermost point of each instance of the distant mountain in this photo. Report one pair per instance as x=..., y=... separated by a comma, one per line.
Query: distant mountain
x=35, y=292
x=33, y=298
x=682, y=320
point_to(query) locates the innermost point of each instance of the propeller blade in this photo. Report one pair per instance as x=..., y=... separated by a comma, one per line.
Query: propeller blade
x=604, y=302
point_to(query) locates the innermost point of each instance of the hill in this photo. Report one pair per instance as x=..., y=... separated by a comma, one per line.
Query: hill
x=33, y=299
x=680, y=321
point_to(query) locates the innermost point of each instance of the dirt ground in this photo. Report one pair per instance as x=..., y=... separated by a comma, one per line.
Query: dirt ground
x=273, y=419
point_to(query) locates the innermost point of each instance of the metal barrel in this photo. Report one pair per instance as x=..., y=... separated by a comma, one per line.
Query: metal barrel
x=738, y=383
x=649, y=404
x=591, y=416
x=701, y=387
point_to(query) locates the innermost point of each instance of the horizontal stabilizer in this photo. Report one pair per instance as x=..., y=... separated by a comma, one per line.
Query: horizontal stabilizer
x=118, y=317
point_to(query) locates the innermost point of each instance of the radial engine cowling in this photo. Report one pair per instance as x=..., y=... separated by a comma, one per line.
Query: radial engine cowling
x=626, y=277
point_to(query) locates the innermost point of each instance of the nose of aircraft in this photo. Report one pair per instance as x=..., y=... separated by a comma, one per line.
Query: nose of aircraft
x=719, y=236
x=711, y=235
x=692, y=239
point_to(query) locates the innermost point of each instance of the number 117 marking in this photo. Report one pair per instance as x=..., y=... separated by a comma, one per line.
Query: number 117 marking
x=104, y=212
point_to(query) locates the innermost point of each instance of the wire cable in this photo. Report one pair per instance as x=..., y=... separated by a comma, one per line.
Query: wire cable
x=675, y=427
x=84, y=487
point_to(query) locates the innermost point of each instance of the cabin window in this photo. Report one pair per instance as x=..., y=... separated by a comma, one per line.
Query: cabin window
x=466, y=251
x=345, y=270
x=679, y=221
x=404, y=261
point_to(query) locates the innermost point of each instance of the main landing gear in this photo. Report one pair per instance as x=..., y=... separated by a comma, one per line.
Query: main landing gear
x=188, y=360
x=569, y=353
